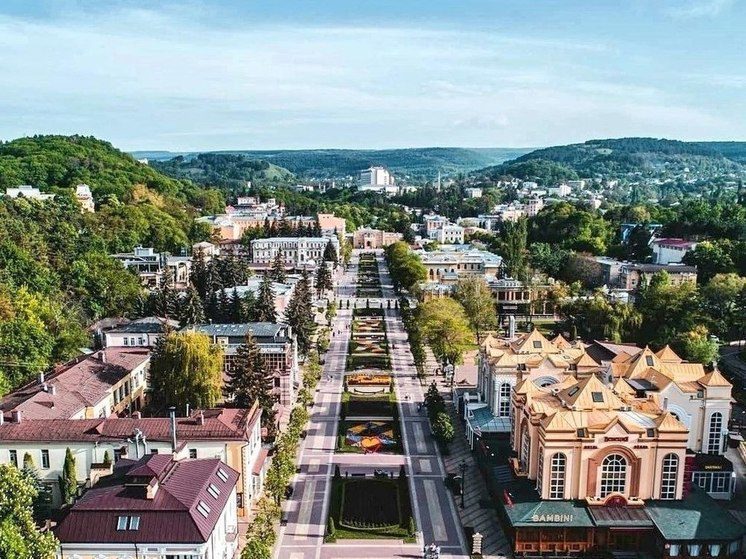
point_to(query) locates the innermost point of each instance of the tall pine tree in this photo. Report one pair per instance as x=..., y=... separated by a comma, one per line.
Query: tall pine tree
x=299, y=314
x=323, y=278
x=191, y=310
x=249, y=381
x=330, y=254
x=278, y=268
x=265, y=304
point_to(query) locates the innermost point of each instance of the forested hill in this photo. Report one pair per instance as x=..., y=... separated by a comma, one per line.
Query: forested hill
x=224, y=170
x=619, y=157
x=412, y=163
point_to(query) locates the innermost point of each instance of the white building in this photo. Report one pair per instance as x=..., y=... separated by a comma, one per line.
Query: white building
x=449, y=234
x=296, y=251
x=143, y=332
x=377, y=179
x=84, y=196
x=473, y=192
x=534, y=206
x=28, y=191
x=232, y=435
x=157, y=507
x=151, y=266
x=671, y=251
x=561, y=190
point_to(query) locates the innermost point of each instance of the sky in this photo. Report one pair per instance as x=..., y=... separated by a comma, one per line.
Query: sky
x=289, y=74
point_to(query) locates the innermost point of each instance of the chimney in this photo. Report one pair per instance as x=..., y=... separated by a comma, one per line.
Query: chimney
x=41, y=378
x=136, y=415
x=2, y=417
x=187, y=410
x=103, y=356
x=201, y=418
x=52, y=389
x=172, y=413
x=511, y=327
x=15, y=416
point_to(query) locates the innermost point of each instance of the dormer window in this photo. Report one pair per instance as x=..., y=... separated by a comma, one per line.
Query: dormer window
x=537, y=344
x=128, y=523
x=649, y=360
x=203, y=509
x=598, y=397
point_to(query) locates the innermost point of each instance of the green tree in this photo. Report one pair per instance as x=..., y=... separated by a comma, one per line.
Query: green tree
x=330, y=253
x=278, y=268
x=185, y=367
x=720, y=303
x=446, y=329
x=249, y=381
x=406, y=267
x=667, y=310
x=323, y=279
x=191, y=311
x=597, y=318
x=475, y=296
x=69, y=479
x=515, y=238
x=443, y=429
x=300, y=314
x=710, y=258
x=696, y=345
x=19, y=537
x=265, y=304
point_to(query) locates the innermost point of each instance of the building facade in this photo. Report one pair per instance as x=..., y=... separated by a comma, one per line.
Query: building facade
x=152, y=267
x=671, y=251
x=374, y=238
x=297, y=252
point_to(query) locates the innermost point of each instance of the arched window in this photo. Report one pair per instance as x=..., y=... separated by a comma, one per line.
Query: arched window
x=613, y=475
x=504, y=407
x=557, y=476
x=525, y=448
x=715, y=437
x=540, y=470
x=669, y=474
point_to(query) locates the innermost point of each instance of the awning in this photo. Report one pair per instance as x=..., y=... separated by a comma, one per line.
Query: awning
x=620, y=517
x=481, y=420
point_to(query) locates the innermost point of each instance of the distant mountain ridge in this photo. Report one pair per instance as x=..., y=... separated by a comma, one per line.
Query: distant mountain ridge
x=620, y=156
x=415, y=163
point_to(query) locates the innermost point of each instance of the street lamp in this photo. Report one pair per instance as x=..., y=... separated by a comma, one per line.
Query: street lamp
x=462, y=468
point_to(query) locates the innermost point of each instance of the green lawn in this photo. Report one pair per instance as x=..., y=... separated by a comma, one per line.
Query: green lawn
x=375, y=405
x=371, y=508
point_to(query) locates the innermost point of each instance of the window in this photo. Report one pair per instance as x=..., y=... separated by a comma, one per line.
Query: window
x=715, y=437
x=504, y=406
x=573, y=391
x=192, y=453
x=669, y=475
x=537, y=344
x=649, y=360
x=134, y=523
x=212, y=490
x=13, y=455
x=222, y=475
x=126, y=341
x=557, y=476
x=122, y=522
x=613, y=475
x=525, y=448
x=540, y=471
x=153, y=451
x=598, y=397
x=45, y=459
x=203, y=509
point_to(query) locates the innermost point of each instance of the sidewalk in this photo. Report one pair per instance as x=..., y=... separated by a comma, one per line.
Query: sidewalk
x=482, y=519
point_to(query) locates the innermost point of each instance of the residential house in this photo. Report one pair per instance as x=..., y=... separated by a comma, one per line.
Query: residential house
x=142, y=332
x=671, y=251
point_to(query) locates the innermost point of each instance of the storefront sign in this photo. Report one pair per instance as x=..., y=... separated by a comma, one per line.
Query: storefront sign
x=616, y=439
x=552, y=518
x=590, y=447
x=713, y=467
x=641, y=446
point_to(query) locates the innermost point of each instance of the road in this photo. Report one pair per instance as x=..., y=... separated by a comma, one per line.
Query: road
x=306, y=511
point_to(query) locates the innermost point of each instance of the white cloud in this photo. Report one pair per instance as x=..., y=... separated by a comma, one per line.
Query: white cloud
x=700, y=8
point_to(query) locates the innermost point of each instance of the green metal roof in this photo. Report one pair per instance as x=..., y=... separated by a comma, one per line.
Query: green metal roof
x=696, y=518
x=528, y=510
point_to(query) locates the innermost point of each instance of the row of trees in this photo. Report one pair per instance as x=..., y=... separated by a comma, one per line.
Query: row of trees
x=405, y=266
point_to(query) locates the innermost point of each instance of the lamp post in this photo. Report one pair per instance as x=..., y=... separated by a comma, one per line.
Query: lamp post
x=462, y=468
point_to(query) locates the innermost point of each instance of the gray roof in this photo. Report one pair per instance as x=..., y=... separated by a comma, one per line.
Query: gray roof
x=257, y=329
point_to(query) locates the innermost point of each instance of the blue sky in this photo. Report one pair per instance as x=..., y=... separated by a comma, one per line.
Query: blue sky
x=271, y=74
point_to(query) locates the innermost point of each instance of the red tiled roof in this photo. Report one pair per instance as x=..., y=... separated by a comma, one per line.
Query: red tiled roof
x=171, y=516
x=80, y=383
x=219, y=424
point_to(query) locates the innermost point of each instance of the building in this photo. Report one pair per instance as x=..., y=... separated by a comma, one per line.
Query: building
x=561, y=190
x=206, y=251
x=500, y=214
x=277, y=347
x=671, y=251
x=28, y=191
x=374, y=238
x=156, y=507
x=433, y=223
x=143, y=332
x=331, y=225
x=84, y=196
x=282, y=292
x=655, y=383
x=231, y=435
x=534, y=206
x=111, y=381
x=297, y=252
x=473, y=192
x=633, y=276
x=449, y=234
x=452, y=262
x=151, y=267
x=377, y=179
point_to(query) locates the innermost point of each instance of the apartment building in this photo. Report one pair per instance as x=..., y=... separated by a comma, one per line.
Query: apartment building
x=670, y=251
x=377, y=179
x=297, y=252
